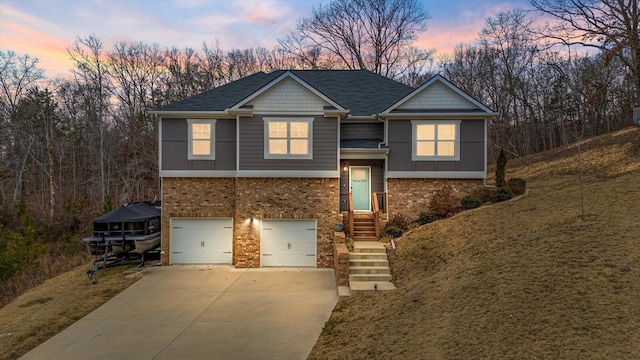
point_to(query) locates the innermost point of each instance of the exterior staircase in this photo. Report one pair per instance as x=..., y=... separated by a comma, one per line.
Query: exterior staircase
x=364, y=228
x=369, y=267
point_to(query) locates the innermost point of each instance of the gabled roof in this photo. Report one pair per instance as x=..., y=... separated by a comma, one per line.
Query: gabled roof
x=439, y=79
x=286, y=75
x=362, y=92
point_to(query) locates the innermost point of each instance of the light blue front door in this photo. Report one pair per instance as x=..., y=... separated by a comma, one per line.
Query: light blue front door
x=360, y=187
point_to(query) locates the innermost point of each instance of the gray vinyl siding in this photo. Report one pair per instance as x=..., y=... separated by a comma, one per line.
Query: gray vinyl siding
x=472, y=149
x=325, y=147
x=359, y=131
x=377, y=174
x=175, y=147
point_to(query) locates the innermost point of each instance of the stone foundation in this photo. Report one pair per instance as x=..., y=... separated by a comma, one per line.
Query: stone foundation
x=409, y=197
x=341, y=260
x=249, y=200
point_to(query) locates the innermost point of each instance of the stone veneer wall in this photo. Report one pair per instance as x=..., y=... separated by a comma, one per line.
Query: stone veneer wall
x=284, y=198
x=341, y=259
x=257, y=198
x=409, y=197
x=194, y=197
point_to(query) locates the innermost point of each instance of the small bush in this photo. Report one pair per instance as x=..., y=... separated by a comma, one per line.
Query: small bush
x=484, y=194
x=413, y=226
x=470, y=202
x=393, y=231
x=398, y=221
x=427, y=217
x=502, y=194
x=386, y=239
x=444, y=202
x=517, y=185
x=350, y=243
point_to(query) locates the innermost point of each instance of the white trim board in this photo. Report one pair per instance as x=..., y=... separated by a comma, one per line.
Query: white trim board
x=436, y=174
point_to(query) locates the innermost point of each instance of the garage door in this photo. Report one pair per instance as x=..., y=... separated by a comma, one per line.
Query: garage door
x=288, y=243
x=201, y=241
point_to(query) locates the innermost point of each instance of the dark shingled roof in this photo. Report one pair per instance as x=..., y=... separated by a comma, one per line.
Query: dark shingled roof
x=360, y=91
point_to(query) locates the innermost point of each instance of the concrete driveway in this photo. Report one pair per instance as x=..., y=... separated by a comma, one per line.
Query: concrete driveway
x=204, y=312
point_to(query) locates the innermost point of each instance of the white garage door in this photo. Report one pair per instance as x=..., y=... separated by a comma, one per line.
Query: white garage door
x=201, y=241
x=288, y=243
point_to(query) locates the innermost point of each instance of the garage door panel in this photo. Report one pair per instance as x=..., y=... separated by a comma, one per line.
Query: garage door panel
x=288, y=243
x=201, y=241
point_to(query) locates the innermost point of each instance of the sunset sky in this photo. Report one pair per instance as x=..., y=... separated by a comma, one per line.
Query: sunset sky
x=46, y=28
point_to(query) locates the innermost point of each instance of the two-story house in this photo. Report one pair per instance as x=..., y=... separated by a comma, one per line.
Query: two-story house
x=257, y=172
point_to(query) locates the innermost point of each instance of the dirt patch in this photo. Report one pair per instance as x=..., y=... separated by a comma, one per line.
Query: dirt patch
x=49, y=308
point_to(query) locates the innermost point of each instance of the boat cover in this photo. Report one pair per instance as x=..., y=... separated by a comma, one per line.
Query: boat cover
x=130, y=212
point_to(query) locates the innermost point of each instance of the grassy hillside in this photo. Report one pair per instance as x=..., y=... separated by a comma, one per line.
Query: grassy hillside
x=525, y=279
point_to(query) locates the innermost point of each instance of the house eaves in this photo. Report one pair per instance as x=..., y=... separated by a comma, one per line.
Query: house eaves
x=437, y=115
x=191, y=114
x=358, y=153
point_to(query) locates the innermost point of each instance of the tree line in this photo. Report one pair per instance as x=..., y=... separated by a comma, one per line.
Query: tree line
x=70, y=146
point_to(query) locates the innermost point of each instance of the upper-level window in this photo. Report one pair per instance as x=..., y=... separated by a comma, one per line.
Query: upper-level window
x=288, y=138
x=435, y=140
x=201, y=139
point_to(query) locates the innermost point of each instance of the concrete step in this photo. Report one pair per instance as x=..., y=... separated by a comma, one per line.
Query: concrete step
x=365, y=238
x=344, y=291
x=358, y=248
x=358, y=286
x=370, y=245
x=367, y=255
x=369, y=270
x=369, y=267
x=369, y=277
x=363, y=231
x=364, y=234
x=369, y=262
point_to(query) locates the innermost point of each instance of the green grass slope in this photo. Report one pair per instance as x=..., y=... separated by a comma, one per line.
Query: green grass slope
x=526, y=279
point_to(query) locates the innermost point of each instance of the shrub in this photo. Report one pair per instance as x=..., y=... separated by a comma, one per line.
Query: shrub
x=444, y=202
x=484, y=194
x=386, y=239
x=398, y=221
x=393, y=231
x=470, y=202
x=427, y=217
x=350, y=243
x=517, y=185
x=502, y=194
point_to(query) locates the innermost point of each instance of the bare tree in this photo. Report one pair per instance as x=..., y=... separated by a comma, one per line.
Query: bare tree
x=136, y=70
x=90, y=71
x=612, y=26
x=17, y=75
x=36, y=118
x=360, y=34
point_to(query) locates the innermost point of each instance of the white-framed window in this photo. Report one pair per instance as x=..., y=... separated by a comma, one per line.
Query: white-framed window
x=202, y=134
x=435, y=140
x=288, y=138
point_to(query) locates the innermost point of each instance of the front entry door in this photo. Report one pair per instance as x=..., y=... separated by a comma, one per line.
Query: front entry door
x=360, y=187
